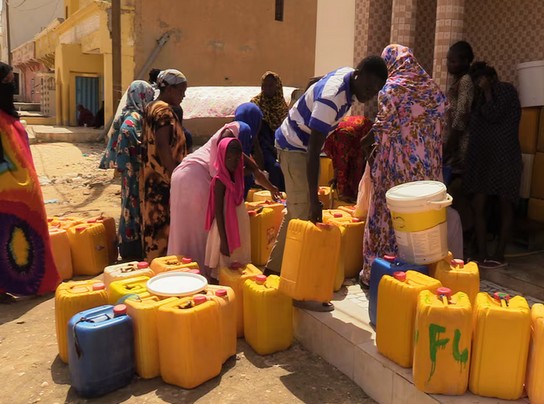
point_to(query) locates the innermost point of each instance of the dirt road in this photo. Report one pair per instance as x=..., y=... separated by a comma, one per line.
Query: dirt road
x=31, y=372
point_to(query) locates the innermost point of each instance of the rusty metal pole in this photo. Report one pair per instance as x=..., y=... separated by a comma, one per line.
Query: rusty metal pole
x=116, y=52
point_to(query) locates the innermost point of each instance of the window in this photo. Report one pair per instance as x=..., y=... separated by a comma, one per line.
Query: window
x=279, y=10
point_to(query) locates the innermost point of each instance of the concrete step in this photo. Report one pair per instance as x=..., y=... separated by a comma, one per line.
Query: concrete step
x=48, y=133
x=345, y=339
x=27, y=106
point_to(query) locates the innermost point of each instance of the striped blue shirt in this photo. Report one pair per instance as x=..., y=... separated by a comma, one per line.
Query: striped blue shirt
x=321, y=108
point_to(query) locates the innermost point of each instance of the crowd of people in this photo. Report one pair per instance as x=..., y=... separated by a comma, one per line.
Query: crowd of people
x=175, y=201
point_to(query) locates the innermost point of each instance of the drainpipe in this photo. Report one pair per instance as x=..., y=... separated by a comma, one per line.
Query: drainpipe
x=116, y=52
x=160, y=44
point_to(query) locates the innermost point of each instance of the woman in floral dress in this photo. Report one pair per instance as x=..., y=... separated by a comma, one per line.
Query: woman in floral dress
x=123, y=154
x=408, y=144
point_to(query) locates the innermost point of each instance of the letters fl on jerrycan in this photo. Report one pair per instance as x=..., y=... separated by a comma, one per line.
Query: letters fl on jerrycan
x=535, y=369
x=442, y=342
x=226, y=299
x=459, y=277
x=143, y=311
x=387, y=265
x=268, y=315
x=189, y=350
x=130, y=286
x=234, y=277
x=502, y=328
x=71, y=298
x=172, y=263
x=310, y=260
x=263, y=234
x=398, y=296
x=101, y=350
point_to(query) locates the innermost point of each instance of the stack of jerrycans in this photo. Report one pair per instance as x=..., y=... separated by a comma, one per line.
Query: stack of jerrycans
x=173, y=263
x=502, y=330
x=442, y=342
x=268, y=315
x=72, y=298
x=234, y=277
x=126, y=270
x=387, y=265
x=124, y=287
x=310, y=260
x=189, y=330
x=535, y=369
x=263, y=234
x=398, y=296
x=459, y=277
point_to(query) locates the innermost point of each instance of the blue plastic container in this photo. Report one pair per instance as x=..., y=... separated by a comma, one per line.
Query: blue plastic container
x=386, y=266
x=100, y=350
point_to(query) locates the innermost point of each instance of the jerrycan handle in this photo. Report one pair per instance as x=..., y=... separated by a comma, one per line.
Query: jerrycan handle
x=457, y=263
x=133, y=296
x=503, y=298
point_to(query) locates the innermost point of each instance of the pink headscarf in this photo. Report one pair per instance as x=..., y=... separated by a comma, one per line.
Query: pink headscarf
x=234, y=127
x=234, y=194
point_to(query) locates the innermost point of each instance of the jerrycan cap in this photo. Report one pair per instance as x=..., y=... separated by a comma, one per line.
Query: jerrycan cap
x=91, y=221
x=321, y=191
x=442, y=291
x=399, y=276
x=260, y=279
x=221, y=292
x=389, y=258
x=199, y=299
x=456, y=262
x=323, y=226
x=186, y=260
x=355, y=220
x=337, y=215
x=142, y=265
x=81, y=228
x=195, y=271
x=501, y=296
x=119, y=310
x=99, y=286
x=252, y=213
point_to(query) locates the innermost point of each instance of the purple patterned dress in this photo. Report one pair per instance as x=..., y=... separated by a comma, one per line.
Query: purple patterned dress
x=408, y=134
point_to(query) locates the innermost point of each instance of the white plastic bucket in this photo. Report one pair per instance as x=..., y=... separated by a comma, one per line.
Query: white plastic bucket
x=531, y=83
x=418, y=214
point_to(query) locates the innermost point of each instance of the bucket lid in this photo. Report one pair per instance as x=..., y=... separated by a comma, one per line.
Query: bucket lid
x=528, y=65
x=176, y=284
x=260, y=279
x=142, y=265
x=399, y=276
x=416, y=191
x=221, y=292
x=99, y=286
x=199, y=299
x=119, y=310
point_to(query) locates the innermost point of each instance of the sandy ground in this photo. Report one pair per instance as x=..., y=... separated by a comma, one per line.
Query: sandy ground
x=31, y=371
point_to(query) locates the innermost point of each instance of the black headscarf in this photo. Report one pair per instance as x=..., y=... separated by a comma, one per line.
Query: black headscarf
x=7, y=91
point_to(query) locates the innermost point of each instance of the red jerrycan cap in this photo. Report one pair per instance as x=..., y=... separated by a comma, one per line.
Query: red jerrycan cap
x=119, y=310
x=321, y=191
x=91, y=221
x=142, y=265
x=323, y=226
x=389, y=258
x=355, y=220
x=337, y=215
x=195, y=271
x=186, y=260
x=81, y=228
x=99, y=286
x=456, y=262
x=260, y=279
x=221, y=292
x=442, y=291
x=252, y=213
x=501, y=296
x=199, y=299
x=399, y=276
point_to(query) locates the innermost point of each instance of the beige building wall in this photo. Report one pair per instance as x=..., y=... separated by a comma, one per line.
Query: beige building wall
x=232, y=42
x=335, y=36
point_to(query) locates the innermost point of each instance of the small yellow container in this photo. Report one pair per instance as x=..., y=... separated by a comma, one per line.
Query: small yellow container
x=173, y=263
x=124, y=287
x=60, y=246
x=71, y=298
x=398, y=297
x=190, y=350
x=326, y=171
x=442, y=342
x=352, y=239
x=268, y=314
x=88, y=243
x=310, y=260
x=277, y=207
x=234, y=278
x=143, y=311
x=459, y=277
x=226, y=299
x=111, y=235
x=127, y=270
x=535, y=369
x=263, y=231
x=502, y=330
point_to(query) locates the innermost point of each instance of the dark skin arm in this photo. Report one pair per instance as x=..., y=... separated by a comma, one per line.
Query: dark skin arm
x=162, y=140
x=314, y=150
x=219, y=190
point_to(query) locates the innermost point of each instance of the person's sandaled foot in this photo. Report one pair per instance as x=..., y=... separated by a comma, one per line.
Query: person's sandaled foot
x=492, y=264
x=6, y=298
x=312, y=305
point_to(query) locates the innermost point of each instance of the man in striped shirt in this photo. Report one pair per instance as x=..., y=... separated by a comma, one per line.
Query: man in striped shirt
x=300, y=138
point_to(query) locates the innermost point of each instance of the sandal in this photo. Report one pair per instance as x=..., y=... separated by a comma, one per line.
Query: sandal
x=6, y=298
x=493, y=264
x=312, y=305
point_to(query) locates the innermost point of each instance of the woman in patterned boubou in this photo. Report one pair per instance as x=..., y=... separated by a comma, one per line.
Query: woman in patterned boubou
x=123, y=154
x=407, y=135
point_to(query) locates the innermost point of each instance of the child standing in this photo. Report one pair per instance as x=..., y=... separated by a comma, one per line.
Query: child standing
x=227, y=219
